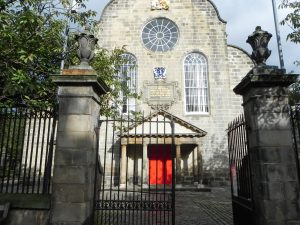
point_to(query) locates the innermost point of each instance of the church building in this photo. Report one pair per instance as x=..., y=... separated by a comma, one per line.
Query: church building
x=179, y=62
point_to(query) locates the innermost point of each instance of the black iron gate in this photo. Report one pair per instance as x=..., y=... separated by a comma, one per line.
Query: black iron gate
x=136, y=163
x=240, y=173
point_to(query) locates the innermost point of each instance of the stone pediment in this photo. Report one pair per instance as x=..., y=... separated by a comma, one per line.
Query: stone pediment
x=160, y=124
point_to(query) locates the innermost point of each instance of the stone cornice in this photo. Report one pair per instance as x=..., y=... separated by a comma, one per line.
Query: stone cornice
x=82, y=80
x=266, y=76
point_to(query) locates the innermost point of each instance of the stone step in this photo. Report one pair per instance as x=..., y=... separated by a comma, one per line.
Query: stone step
x=4, y=208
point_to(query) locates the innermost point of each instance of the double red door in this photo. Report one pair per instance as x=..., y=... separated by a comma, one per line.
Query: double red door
x=160, y=164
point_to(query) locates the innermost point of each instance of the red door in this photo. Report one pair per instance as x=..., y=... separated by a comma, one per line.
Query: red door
x=160, y=164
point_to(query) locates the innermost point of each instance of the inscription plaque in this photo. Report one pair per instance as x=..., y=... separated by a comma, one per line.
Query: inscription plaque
x=160, y=95
x=160, y=92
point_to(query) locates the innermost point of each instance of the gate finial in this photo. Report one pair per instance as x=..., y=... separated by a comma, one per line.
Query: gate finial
x=259, y=41
x=86, y=44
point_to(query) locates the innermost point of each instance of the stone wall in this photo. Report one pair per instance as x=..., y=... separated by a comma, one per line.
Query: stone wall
x=27, y=217
x=26, y=209
x=240, y=64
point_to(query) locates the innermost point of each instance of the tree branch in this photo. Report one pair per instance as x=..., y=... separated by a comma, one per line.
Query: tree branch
x=5, y=4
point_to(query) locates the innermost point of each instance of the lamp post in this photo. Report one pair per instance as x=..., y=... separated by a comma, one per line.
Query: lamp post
x=73, y=8
x=278, y=35
x=66, y=33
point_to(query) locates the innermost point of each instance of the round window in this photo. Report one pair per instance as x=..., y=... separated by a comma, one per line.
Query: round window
x=160, y=35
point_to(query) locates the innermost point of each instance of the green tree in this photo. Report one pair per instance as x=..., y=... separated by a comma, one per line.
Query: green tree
x=292, y=20
x=107, y=64
x=294, y=93
x=32, y=39
x=32, y=34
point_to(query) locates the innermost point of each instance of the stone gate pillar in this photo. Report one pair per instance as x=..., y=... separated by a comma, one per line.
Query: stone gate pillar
x=75, y=156
x=273, y=163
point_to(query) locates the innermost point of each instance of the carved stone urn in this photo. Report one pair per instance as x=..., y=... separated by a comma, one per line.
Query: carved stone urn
x=86, y=44
x=259, y=41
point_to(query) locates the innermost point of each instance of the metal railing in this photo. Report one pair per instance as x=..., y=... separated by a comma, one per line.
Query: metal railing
x=240, y=171
x=26, y=150
x=295, y=123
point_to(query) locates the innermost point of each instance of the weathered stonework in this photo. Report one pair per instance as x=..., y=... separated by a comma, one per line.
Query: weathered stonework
x=200, y=30
x=26, y=209
x=27, y=217
x=75, y=162
x=160, y=95
x=273, y=164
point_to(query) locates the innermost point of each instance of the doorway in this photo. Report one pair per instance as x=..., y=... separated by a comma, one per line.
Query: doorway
x=160, y=164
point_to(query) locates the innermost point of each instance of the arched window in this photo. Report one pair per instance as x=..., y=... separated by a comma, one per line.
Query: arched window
x=196, y=84
x=128, y=75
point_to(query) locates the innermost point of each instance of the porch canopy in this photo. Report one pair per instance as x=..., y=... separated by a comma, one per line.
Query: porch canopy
x=160, y=127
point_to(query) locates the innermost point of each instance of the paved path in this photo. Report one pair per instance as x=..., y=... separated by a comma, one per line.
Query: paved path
x=204, y=208
x=192, y=208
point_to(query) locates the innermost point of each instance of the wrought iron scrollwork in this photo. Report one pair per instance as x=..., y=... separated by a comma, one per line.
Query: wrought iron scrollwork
x=134, y=205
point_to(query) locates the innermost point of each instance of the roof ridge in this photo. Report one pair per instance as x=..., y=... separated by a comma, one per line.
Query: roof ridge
x=170, y=116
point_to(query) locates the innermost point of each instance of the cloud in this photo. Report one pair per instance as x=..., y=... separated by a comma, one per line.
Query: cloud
x=243, y=16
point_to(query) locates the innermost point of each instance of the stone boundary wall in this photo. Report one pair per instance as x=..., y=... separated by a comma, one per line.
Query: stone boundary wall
x=27, y=217
x=26, y=209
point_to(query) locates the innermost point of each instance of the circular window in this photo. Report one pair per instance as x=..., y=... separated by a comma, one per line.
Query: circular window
x=160, y=35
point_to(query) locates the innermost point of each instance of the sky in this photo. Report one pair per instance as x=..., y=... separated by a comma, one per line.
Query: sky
x=242, y=17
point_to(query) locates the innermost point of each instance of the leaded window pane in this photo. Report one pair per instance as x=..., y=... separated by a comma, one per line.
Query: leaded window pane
x=196, y=83
x=128, y=76
x=160, y=35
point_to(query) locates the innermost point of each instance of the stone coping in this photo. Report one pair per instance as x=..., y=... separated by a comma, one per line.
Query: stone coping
x=82, y=80
x=268, y=76
x=78, y=71
x=26, y=201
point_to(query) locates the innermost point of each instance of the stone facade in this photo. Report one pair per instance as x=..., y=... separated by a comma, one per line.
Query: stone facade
x=201, y=30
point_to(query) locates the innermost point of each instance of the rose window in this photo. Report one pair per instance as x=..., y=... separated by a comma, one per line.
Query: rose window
x=160, y=35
